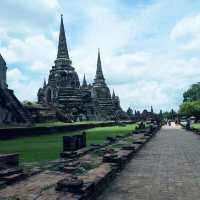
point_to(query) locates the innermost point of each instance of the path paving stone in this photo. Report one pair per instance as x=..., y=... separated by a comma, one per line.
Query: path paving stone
x=167, y=168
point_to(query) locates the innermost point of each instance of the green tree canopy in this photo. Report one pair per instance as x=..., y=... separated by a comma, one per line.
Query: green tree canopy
x=169, y=115
x=190, y=108
x=130, y=112
x=192, y=94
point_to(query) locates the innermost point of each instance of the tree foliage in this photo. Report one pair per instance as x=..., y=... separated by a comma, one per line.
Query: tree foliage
x=170, y=115
x=191, y=102
x=190, y=108
x=192, y=94
x=129, y=112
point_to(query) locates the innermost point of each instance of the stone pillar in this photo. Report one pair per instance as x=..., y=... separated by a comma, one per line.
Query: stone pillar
x=73, y=143
x=69, y=143
x=3, y=71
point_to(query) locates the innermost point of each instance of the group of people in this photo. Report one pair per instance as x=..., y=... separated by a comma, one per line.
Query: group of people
x=169, y=122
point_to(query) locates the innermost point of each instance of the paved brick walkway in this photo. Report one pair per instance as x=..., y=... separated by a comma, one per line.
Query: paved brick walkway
x=167, y=168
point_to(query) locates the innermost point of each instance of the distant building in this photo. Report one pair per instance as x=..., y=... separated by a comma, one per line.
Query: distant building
x=145, y=115
x=11, y=110
x=64, y=91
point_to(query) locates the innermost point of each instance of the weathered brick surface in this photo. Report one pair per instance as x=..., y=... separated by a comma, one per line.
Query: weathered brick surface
x=34, y=187
x=167, y=168
x=42, y=186
x=9, y=160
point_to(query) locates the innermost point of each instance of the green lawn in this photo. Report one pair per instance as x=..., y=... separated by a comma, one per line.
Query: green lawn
x=197, y=125
x=48, y=147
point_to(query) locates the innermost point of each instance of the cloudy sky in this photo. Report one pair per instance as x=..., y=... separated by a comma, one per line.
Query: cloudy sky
x=150, y=49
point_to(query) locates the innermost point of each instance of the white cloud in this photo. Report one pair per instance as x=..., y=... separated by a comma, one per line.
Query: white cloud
x=194, y=44
x=26, y=90
x=22, y=85
x=140, y=60
x=36, y=52
x=49, y=4
x=20, y=14
x=143, y=94
x=187, y=32
x=14, y=75
x=154, y=75
x=4, y=35
x=188, y=26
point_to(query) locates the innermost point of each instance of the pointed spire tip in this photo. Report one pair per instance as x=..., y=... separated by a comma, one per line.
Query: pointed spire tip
x=84, y=82
x=99, y=74
x=62, y=44
x=113, y=94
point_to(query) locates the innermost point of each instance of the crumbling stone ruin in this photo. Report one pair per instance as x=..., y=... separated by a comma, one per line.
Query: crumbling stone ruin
x=75, y=142
x=64, y=91
x=10, y=172
x=11, y=110
x=83, y=176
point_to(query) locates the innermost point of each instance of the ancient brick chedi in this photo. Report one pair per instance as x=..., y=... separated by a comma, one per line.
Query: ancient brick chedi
x=11, y=110
x=64, y=92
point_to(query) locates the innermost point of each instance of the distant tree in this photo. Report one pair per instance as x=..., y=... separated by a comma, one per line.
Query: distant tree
x=137, y=115
x=135, y=112
x=161, y=114
x=169, y=115
x=191, y=102
x=192, y=94
x=189, y=109
x=173, y=114
x=130, y=112
x=166, y=115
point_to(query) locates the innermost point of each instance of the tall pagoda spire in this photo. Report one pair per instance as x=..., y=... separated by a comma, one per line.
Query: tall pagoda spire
x=2, y=59
x=151, y=109
x=99, y=73
x=113, y=94
x=62, y=45
x=45, y=83
x=84, y=85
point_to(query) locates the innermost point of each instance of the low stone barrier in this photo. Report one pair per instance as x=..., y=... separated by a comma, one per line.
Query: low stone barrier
x=9, y=160
x=84, y=176
x=75, y=142
x=9, y=169
x=90, y=186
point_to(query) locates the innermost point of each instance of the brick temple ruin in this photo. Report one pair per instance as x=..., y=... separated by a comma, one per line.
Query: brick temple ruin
x=11, y=110
x=82, y=172
x=64, y=91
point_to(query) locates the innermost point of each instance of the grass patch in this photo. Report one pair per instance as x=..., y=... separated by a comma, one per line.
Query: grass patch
x=48, y=147
x=196, y=125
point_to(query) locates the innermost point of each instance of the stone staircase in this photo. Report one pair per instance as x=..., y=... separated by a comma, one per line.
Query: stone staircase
x=49, y=113
x=15, y=106
x=10, y=172
x=9, y=176
x=106, y=107
x=70, y=97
